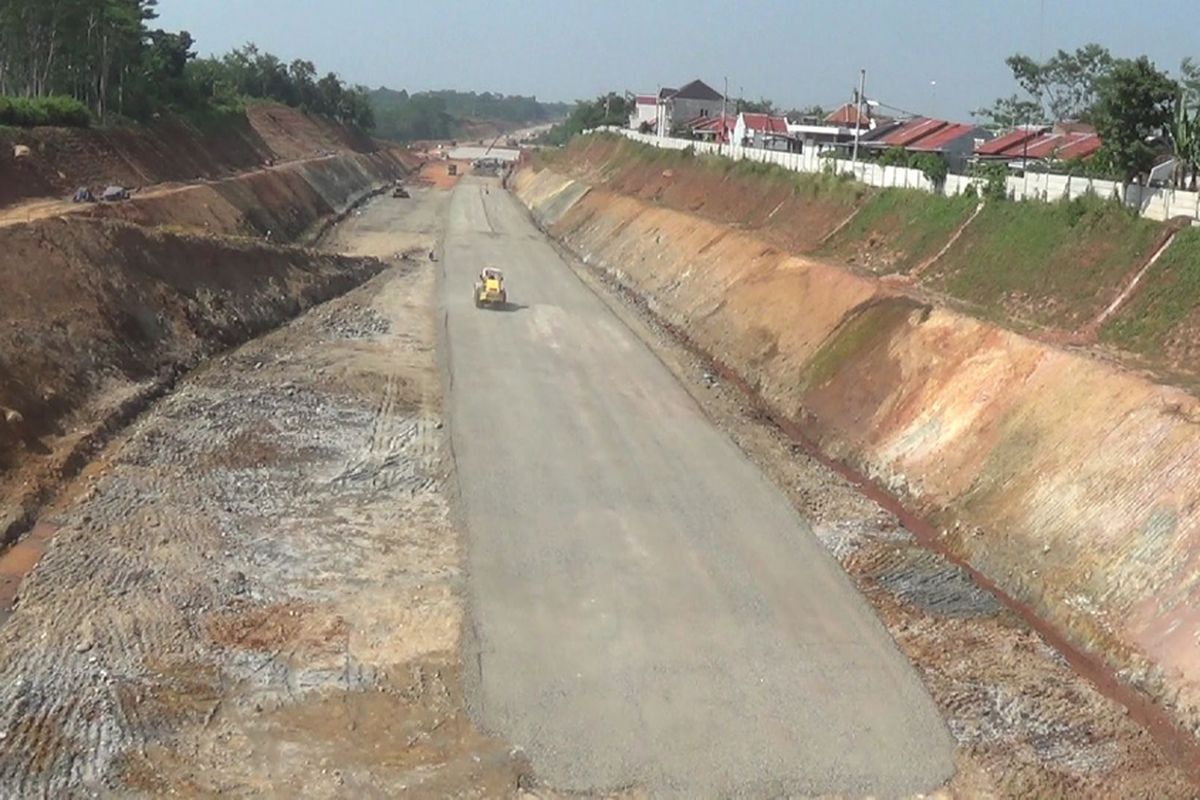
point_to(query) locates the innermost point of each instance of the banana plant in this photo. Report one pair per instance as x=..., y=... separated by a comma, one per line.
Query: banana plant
x=1185, y=141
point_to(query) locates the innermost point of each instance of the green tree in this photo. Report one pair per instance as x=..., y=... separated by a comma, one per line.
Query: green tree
x=1134, y=107
x=1064, y=87
x=760, y=106
x=1009, y=112
x=609, y=109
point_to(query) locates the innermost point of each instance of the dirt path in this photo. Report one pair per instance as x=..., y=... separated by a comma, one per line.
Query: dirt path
x=257, y=589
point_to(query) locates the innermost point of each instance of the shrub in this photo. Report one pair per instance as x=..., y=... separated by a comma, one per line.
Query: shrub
x=932, y=165
x=995, y=179
x=894, y=157
x=24, y=112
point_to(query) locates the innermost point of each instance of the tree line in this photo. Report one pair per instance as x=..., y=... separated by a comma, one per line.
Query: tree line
x=439, y=114
x=70, y=61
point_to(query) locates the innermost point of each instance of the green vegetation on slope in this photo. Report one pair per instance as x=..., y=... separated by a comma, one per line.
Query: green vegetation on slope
x=407, y=117
x=863, y=330
x=24, y=112
x=609, y=109
x=1166, y=302
x=1045, y=263
x=897, y=229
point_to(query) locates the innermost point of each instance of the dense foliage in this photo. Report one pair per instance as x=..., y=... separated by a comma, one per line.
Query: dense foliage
x=1133, y=111
x=440, y=114
x=607, y=109
x=58, y=56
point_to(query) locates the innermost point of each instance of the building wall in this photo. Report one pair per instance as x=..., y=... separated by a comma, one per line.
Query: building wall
x=642, y=114
x=683, y=109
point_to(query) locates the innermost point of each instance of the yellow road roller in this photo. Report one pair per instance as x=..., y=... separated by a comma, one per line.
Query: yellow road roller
x=489, y=288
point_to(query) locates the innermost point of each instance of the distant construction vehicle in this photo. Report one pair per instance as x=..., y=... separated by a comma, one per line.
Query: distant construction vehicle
x=489, y=289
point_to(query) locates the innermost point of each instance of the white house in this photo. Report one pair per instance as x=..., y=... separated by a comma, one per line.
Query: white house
x=645, y=111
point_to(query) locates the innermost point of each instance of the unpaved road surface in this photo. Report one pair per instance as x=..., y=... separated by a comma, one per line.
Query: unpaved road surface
x=257, y=589
x=648, y=609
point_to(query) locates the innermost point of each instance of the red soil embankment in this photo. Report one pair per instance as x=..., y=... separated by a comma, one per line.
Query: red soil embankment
x=171, y=150
x=1071, y=484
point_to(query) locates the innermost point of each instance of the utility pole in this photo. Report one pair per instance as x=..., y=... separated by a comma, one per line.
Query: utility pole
x=724, y=102
x=858, y=104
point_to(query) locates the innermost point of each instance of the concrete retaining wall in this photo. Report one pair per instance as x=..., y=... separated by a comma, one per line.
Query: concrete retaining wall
x=1073, y=485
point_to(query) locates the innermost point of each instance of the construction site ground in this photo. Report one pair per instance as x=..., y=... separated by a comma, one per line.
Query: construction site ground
x=260, y=588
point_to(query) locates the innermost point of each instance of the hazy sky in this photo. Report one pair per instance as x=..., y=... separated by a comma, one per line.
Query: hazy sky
x=795, y=53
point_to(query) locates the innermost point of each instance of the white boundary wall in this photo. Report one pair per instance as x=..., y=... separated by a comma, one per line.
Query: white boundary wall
x=1159, y=204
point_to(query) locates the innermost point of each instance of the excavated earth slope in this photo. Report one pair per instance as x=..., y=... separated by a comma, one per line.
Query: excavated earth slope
x=106, y=304
x=1068, y=482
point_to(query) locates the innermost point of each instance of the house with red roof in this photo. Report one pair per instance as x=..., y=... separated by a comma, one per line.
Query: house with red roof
x=1023, y=145
x=848, y=115
x=764, y=131
x=954, y=141
x=713, y=129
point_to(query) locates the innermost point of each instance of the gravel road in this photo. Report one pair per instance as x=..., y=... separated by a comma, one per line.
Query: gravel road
x=647, y=608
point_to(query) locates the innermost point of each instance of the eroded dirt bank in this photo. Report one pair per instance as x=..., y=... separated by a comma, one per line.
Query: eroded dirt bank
x=61, y=159
x=106, y=305
x=1050, y=472
x=256, y=589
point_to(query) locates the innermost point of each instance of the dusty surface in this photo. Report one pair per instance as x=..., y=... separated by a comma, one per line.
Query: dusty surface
x=1067, y=481
x=257, y=589
x=1026, y=724
x=636, y=586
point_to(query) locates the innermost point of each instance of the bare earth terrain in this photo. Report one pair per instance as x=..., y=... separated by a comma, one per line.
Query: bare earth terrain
x=256, y=589
x=262, y=587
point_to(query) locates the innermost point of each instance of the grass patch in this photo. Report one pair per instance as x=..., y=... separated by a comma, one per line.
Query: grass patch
x=31, y=112
x=1167, y=299
x=1045, y=263
x=866, y=328
x=897, y=229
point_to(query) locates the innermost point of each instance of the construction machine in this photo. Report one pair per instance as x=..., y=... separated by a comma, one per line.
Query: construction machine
x=489, y=288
